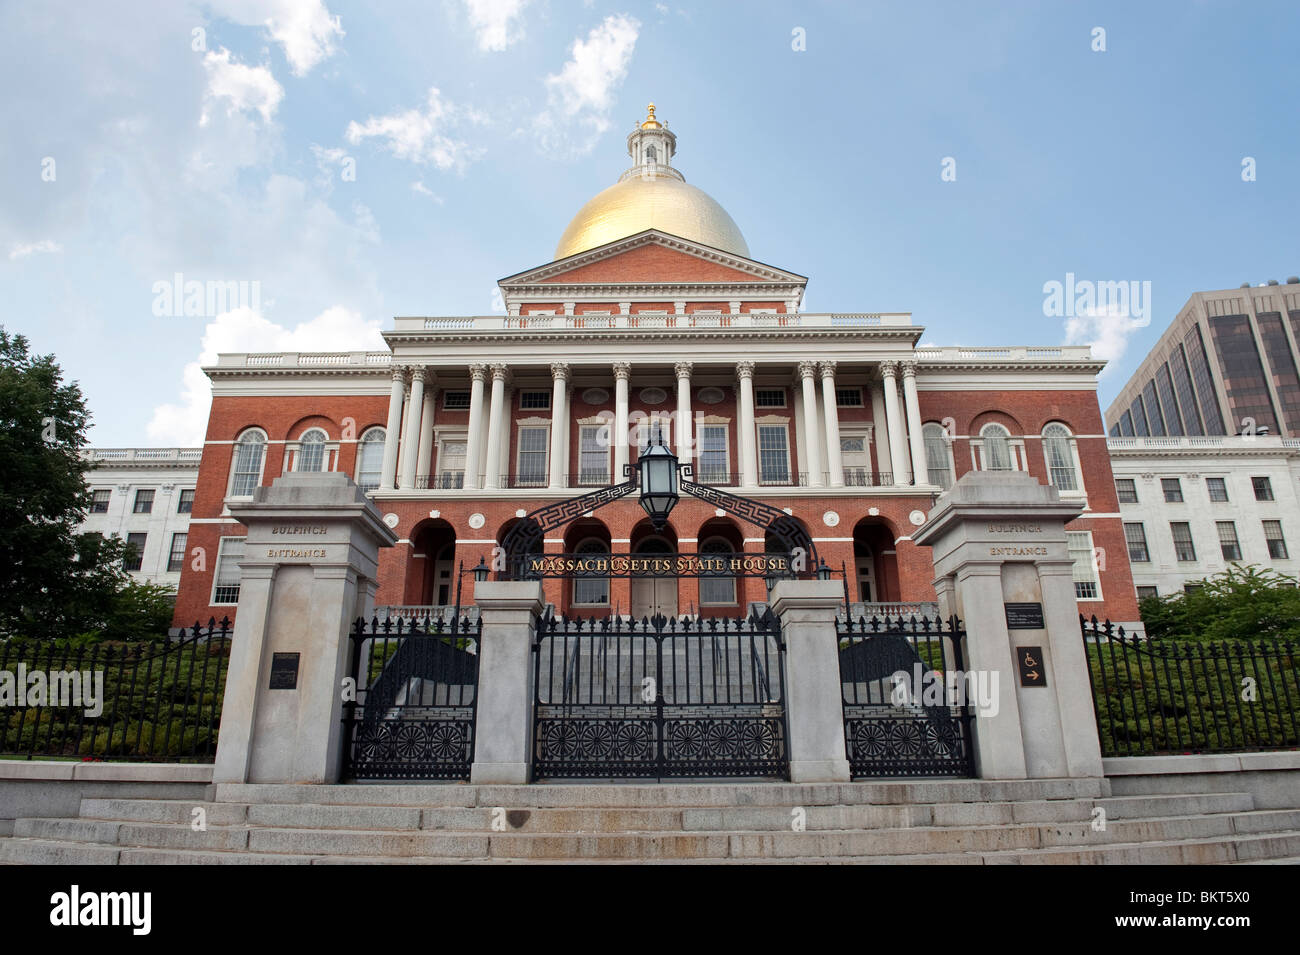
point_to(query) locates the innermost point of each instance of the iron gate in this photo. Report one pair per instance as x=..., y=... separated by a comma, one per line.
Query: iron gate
x=659, y=697
x=906, y=706
x=416, y=692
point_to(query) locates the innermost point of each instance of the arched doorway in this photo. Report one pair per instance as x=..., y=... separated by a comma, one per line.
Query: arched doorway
x=654, y=593
x=431, y=579
x=875, y=564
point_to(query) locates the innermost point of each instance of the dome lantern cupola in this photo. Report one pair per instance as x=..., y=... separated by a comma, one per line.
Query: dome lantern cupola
x=651, y=147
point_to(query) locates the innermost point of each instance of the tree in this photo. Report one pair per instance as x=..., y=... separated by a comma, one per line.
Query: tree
x=1241, y=603
x=54, y=581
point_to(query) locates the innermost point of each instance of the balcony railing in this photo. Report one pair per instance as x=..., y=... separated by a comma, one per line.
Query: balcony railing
x=455, y=480
x=653, y=320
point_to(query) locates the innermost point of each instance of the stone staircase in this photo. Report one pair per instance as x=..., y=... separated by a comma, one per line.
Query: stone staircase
x=931, y=821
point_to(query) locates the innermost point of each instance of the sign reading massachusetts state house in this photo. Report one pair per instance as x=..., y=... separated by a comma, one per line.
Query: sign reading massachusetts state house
x=676, y=565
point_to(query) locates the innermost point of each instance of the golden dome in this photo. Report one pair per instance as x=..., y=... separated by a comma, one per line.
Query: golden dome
x=652, y=202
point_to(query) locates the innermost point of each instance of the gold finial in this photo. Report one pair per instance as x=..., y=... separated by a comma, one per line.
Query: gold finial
x=650, y=121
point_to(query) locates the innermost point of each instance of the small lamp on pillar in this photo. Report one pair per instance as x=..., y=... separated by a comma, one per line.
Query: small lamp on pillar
x=657, y=469
x=481, y=571
x=823, y=571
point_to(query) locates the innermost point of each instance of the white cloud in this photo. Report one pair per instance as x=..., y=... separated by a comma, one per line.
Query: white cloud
x=1106, y=330
x=305, y=29
x=424, y=190
x=243, y=87
x=243, y=330
x=580, y=96
x=21, y=250
x=422, y=137
x=496, y=23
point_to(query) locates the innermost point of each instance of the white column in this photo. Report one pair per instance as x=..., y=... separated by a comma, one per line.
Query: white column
x=427, y=413
x=559, y=424
x=894, y=423
x=388, y=476
x=913, y=409
x=403, y=447
x=748, y=452
x=474, y=444
x=807, y=371
x=685, y=446
x=833, y=457
x=622, y=372
x=496, y=427
x=411, y=435
x=879, y=436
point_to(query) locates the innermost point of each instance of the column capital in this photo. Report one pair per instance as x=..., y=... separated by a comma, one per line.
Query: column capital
x=827, y=369
x=807, y=369
x=683, y=369
x=499, y=371
x=560, y=370
x=478, y=371
x=744, y=369
x=399, y=373
x=421, y=374
x=908, y=367
x=888, y=368
x=622, y=370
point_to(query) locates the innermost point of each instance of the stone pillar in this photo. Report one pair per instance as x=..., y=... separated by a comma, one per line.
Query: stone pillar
x=474, y=441
x=685, y=445
x=807, y=372
x=559, y=425
x=622, y=372
x=496, y=427
x=998, y=537
x=813, y=695
x=504, y=724
x=894, y=424
x=388, y=476
x=915, y=437
x=427, y=413
x=411, y=436
x=879, y=434
x=748, y=451
x=309, y=571
x=832, y=407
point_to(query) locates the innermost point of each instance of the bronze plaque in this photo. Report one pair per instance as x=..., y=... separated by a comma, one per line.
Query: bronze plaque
x=1032, y=672
x=284, y=671
x=1025, y=617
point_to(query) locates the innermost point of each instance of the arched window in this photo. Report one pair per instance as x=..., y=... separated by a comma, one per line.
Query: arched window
x=938, y=459
x=250, y=451
x=996, y=447
x=1058, y=449
x=311, y=451
x=717, y=590
x=651, y=155
x=591, y=590
x=370, y=459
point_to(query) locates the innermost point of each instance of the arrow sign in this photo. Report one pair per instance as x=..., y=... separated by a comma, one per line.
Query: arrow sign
x=1030, y=660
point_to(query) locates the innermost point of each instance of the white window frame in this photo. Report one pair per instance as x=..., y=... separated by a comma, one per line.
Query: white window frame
x=773, y=421
x=946, y=440
x=532, y=424
x=1072, y=446
x=718, y=578
x=609, y=589
x=216, y=571
x=862, y=398
x=785, y=398
x=439, y=477
x=600, y=425
x=1015, y=449
x=368, y=441
x=851, y=471
x=329, y=452
x=1096, y=571
x=234, y=463
x=713, y=421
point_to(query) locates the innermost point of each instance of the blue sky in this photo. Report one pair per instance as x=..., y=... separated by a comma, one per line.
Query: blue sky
x=477, y=128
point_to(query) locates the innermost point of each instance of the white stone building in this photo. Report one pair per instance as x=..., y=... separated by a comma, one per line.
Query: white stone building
x=145, y=496
x=1193, y=505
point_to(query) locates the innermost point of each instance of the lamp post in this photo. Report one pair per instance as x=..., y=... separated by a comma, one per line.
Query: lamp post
x=658, y=476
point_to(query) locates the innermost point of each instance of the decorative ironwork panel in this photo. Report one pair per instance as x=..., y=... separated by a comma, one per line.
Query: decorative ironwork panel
x=416, y=694
x=661, y=697
x=906, y=699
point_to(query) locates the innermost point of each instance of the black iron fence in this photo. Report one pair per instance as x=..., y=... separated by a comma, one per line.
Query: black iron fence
x=415, y=700
x=155, y=702
x=1158, y=697
x=907, y=699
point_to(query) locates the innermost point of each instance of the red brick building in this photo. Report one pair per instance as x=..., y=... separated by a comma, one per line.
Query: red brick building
x=654, y=323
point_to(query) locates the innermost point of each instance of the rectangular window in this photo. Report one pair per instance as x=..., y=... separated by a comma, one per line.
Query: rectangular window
x=225, y=589
x=1228, y=543
x=1192, y=588
x=848, y=397
x=1276, y=542
x=176, y=556
x=1263, y=488
x=769, y=397
x=143, y=502
x=133, y=559
x=535, y=400
x=1146, y=592
x=593, y=456
x=455, y=401
x=451, y=464
x=715, y=463
x=1136, y=535
x=1183, y=546
x=185, y=503
x=773, y=454
x=532, y=456
x=1086, y=584
x=1218, y=489
x=1127, y=490
x=99, y=501
x=856, y=460
x=1173, y=489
